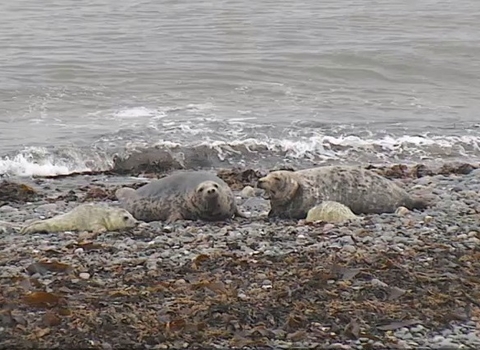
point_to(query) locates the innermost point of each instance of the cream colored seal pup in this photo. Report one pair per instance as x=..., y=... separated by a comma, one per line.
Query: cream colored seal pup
x=331, y=212
x=86, y=217
x=195, y=195
x=293, y=193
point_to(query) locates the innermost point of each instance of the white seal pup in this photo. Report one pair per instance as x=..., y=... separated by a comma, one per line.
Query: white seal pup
x=329, y=211
x=195, y=195
x=293, y=193
x=91, y=217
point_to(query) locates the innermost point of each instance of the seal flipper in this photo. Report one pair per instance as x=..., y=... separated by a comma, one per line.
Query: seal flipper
x=417, y=203
x=37, y=226
x=175, y=216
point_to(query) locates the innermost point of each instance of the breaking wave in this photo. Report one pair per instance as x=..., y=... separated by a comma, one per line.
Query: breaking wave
x=299, y=151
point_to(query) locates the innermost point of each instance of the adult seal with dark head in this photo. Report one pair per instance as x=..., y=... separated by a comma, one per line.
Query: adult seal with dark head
x=293, y=193
x=195, y=195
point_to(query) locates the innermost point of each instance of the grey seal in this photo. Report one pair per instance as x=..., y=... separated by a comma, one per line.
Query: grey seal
x=293, y=193
x=194, y=195
x=329, y=211
x=96, y=218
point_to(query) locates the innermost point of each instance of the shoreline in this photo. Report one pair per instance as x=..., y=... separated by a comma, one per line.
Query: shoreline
x=405, y=281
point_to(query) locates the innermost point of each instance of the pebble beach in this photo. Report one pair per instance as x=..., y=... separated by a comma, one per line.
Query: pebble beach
x=103, y=94
x=406, y=280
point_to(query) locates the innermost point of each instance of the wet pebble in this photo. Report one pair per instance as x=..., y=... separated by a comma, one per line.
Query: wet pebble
x=402, y=211
x=44, y=208
x=247, y=192
x=84, y=275
x=7, y=209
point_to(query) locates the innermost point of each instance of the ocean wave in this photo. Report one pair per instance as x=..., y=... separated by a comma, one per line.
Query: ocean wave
x=299, y=151
x=40, y=161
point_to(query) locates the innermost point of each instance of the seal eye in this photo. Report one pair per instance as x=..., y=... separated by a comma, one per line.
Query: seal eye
x=125, y=218
x=276, y=178
x=200, y=189
x=215, y=185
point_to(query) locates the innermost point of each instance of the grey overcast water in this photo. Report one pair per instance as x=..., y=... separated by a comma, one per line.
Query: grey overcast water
x=314, y=81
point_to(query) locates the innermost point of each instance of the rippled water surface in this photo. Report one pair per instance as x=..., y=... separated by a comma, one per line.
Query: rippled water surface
x=319, y=79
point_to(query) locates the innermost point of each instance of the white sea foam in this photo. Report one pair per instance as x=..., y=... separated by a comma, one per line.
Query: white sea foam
x=24, y=166
x=136, y=112
x=158, y=113
x=41, y=162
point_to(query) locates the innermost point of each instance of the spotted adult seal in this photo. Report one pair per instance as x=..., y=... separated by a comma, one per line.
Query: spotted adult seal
x=293, y=193
x=330, y=211
x=86, y=217
x=194, y=195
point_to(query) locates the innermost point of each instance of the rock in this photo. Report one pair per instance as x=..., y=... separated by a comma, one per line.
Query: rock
x=417, y=329
x=456, y=168
x=84, y=275
x=152, y=160
x=247, y=192
x=338, y=346
x=474, y=240
x=99, y=193
x=49, y=207
x=438, y=339
x=402, y=211
x=12, y=192
x=452, y=229
x=79, y=251
x=331, y=212
x=7, y=209
x=472, y=234
x=349, y=248
x=8, y=227
x=256, y=205
x=427, y=219
x=328, y=227
x=238, y=179
x=446, y=344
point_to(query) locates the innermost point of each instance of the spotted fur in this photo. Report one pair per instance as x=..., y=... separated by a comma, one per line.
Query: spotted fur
x=182, y=196
x=293, y=194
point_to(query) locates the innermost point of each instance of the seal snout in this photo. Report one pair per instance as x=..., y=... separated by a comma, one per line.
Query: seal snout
x=261, y=183
x=129, y=220
x=212, y=191
x=209, y=190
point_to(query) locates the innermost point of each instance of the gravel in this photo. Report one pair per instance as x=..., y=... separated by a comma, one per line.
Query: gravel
x=452, y=224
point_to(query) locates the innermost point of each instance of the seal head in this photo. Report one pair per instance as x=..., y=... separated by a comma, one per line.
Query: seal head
x=118, y=219
x=207, y=200
x=280, y=186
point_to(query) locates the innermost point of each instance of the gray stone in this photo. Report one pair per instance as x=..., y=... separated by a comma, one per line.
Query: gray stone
x=247, y=192
x=46, y=208
x=417, y=329
x=349, y=248
x=347, y=240
x=438, y=339
x=84, y=275
x=7, y=209
x=474, y=240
